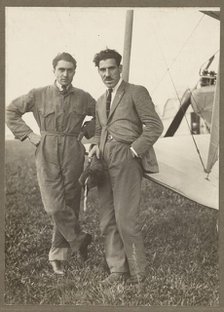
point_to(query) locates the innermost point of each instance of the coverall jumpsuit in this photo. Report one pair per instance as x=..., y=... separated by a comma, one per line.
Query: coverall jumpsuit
x=59, y=156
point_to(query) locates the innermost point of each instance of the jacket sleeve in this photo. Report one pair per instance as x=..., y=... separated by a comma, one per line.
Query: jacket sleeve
x=14, y=113
x=152, y=126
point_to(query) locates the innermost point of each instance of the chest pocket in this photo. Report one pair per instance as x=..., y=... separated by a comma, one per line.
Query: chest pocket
x=47, y=118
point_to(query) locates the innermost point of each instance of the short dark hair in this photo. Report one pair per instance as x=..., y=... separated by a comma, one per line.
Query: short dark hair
x=107, y=54
x=65, y=57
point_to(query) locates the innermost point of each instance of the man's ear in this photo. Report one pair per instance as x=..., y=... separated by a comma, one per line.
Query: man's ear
x=120, y=68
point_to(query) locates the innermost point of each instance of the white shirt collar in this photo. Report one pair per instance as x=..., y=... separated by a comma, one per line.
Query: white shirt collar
x=115, y=90
x=117, y=86
x=60, y=86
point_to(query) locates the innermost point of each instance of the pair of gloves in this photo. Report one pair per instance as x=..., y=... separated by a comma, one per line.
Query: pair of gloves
x=93, y=173
x=92, y=176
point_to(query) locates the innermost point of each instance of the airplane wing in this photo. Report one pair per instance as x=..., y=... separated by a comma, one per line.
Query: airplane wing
x=182, y=171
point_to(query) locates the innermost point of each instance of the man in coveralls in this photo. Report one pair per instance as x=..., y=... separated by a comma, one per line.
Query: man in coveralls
x=59, y=110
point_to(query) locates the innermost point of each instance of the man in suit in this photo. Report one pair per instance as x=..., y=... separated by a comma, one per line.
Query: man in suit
x=127, y=126
x=59, y=110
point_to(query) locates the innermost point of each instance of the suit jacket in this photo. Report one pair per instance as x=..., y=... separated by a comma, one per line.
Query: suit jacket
x=132, y=120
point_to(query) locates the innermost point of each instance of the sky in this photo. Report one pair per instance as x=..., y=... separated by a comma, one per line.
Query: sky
x=169, y=45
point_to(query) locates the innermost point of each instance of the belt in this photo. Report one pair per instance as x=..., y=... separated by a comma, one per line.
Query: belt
x=58, y=133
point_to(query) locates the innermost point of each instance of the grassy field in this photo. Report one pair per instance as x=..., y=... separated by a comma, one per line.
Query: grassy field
x=180, y=238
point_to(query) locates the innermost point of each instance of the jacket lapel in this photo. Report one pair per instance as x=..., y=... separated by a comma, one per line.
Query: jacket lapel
x=117, y=98
x=101, y=103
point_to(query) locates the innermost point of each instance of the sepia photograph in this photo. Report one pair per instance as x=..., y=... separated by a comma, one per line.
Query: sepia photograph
x=112, y=156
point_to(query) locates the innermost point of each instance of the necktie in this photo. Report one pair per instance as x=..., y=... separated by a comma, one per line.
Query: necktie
x=109, y=93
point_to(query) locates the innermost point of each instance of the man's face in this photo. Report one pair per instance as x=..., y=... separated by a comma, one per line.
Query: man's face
x=109, y=72
x=64, y=72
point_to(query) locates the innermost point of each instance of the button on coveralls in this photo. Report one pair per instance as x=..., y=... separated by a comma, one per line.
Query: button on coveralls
x=59, y=156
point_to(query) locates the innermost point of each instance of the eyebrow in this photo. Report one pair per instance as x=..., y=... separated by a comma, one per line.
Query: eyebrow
x=63, y=68
x=110, y=67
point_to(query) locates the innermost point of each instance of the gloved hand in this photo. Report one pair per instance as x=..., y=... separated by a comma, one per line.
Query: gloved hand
x=88, y=128
x=34, y=138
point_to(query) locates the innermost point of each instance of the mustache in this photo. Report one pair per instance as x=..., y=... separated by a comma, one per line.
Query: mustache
x=108, y=79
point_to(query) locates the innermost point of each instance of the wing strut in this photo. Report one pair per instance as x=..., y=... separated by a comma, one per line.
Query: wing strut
x=127, y=44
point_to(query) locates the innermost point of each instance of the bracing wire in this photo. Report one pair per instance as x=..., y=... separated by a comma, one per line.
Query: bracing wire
x=172, y=81
x=180, y=51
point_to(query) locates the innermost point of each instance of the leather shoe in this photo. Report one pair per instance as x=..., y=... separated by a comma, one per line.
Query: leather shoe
x=57, y=267
x=83, y=250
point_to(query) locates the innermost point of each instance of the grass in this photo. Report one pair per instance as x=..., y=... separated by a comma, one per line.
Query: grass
x=180, y=236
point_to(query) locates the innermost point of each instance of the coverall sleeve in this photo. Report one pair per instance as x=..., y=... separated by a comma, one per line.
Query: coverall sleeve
x=88, y=127
x=91, y=106
x=98, y=129
x=152, y=124
x=14, y=113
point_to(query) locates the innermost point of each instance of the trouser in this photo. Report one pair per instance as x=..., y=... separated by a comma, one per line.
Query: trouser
x=59, y=163
x=119, y=198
